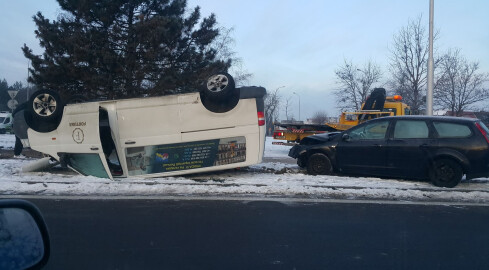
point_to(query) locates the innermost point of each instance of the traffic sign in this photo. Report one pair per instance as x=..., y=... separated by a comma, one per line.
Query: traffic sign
x=12, y=104
x=12, y=93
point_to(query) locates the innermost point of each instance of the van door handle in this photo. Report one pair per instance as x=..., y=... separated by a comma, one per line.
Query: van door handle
x=130, y=142
x=94, y=148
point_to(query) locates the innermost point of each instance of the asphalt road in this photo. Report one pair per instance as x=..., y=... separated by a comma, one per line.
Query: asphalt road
x=183, y=233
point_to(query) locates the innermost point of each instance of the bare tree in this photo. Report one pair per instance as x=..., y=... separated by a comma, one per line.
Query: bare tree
x=319, y=117
x=459, y=84
x=409, y=63
x=272, y=102
x=223, y=48
x=355, y=84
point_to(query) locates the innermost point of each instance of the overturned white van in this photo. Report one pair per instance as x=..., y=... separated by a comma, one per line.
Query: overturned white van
x=219, y=128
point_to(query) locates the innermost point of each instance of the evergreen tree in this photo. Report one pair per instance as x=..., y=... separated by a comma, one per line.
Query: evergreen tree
x=4, y=97
x=125, y=48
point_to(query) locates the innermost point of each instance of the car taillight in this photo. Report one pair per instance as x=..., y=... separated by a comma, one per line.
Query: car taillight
x=278, y=134
x=261, y=118
x=484, y=133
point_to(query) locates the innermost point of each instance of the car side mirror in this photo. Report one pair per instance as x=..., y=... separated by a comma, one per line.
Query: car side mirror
x=24, y=240
x=345, y=137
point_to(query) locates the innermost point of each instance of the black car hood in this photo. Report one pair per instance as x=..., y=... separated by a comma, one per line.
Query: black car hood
x=319, y=138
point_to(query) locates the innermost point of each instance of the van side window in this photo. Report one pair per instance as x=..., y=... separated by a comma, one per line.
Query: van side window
x=452, y=130
x=411, y=129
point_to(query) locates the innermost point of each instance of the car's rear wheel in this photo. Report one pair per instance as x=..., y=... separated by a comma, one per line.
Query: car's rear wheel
x=44, y=110
x=445, y=173
x=319, y=164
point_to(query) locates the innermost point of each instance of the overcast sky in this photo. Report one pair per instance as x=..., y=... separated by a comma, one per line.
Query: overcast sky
x=296, y=44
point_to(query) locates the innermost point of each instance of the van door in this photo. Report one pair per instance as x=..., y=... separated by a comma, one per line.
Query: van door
x=84, y=151
x=142, y=125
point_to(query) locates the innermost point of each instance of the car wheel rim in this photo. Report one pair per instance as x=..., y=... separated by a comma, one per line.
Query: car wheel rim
x=318, y=166
x=44, y=105
x=445, y=173
x=217, y=83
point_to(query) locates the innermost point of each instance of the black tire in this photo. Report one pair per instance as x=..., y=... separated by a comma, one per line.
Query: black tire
x=45, y=105
x=445, y=173
x=43, y=111
x=219, y=86
x=220, y=105
x=319, y=164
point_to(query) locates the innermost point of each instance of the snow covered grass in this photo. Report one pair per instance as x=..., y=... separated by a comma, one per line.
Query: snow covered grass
x=268, y=179
x=7, y=141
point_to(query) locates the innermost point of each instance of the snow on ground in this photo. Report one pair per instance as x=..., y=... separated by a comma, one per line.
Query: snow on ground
x=268, y=179
x=7, y=141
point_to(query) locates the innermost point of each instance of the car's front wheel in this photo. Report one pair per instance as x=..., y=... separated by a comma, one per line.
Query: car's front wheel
x=319, y=164
x=445, y=173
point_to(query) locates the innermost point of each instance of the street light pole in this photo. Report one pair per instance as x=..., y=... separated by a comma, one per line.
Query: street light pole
x=299, y=105
x=429, y=94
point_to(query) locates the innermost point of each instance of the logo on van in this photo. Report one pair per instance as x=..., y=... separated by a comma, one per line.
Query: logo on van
x=78, y=135
x=162, y=157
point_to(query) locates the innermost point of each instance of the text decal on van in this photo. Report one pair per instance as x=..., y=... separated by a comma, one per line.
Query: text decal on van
x=185, y=156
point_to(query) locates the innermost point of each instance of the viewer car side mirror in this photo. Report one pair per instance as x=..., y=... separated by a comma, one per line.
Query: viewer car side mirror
x=345, y=137
x=24, y=240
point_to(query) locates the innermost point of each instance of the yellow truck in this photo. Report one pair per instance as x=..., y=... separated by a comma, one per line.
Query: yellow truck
x=376, y=105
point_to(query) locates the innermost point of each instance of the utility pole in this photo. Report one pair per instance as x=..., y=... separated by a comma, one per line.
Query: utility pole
x=429, y=94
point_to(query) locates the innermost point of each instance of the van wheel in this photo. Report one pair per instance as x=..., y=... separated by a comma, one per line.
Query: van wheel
x=219, y=86
x=44, y=110
x=319, y=164
x=445, y=173
x=220, y=105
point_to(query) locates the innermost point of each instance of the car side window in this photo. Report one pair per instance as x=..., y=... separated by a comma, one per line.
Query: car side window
x=372, y=131
x=411, y=129
x=452, y=130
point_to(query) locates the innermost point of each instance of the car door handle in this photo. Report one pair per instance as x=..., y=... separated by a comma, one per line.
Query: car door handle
x=424, y=146
x=130, y=142
x=377, y=145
